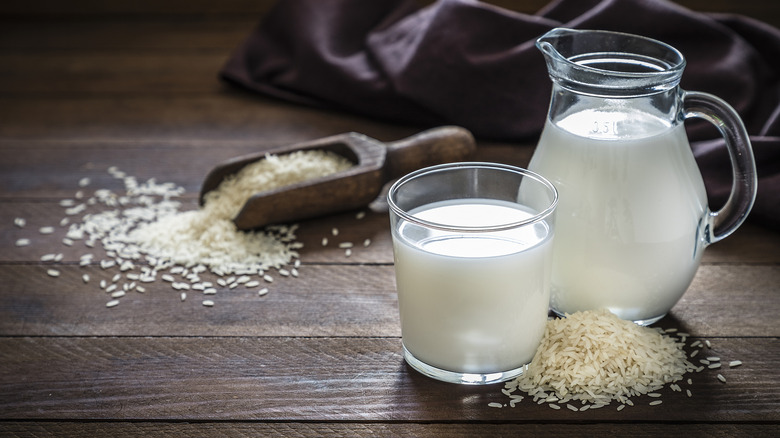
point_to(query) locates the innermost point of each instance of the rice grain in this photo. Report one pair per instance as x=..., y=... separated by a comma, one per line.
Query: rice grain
x=143, y=232
x=596, y=358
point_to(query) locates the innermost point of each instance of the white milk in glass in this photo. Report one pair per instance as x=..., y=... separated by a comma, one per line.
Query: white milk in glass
x=472, y=302
x=631, y=205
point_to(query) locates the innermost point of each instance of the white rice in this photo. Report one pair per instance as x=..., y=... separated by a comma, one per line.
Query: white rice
x=208, y=236
x=594, y=357
x=144, y=234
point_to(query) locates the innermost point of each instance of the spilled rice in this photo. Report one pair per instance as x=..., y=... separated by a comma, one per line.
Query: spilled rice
x=146, y=238
x=593, y=359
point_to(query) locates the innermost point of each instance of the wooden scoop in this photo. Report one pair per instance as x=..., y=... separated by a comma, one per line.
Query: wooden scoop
x=375, y=164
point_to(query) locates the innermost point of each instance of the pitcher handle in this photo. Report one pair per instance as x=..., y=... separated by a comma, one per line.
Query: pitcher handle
x=743, y=166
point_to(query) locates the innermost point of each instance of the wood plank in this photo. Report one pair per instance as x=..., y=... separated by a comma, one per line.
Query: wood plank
x=374, y=225
x=133, y=84
x=35, y=169
x=324, y=379
x=723, y=299
x=326, y=300
x=138, y=7
x=47, y=169
x=110, y=72
x=750, y=244
x=380, y=430
x=225, y=115
x=129, y=34
x=746, y=245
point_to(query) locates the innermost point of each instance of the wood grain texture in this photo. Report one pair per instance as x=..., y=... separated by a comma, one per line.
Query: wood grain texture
x=327, y=300
x=122, y=34
x=322, y=379
x=88, y=84
x=750, y=245
x=118, y=429
x=53, y=168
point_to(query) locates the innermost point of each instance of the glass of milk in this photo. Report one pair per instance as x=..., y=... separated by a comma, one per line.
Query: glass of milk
x=472, y=245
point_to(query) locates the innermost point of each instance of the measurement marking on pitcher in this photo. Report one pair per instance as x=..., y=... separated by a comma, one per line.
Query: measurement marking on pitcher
x=604, y=127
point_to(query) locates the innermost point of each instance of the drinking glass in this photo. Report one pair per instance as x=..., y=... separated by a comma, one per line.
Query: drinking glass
x=472, y=247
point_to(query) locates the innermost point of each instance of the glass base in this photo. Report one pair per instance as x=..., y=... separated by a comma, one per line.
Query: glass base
x=642, y=322
x=462, y=378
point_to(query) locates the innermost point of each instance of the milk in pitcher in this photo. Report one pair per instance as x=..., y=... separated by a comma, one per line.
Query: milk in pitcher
x=632, y=210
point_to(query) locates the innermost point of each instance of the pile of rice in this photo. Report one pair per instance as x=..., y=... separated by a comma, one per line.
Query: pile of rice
x=595, y=358
x=209, y=237
x=146, y=237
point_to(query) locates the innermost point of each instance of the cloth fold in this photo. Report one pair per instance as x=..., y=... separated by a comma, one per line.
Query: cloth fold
x=475, y=65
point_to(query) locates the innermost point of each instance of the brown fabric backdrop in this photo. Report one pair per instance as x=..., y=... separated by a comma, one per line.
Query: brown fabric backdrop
x=475, y=65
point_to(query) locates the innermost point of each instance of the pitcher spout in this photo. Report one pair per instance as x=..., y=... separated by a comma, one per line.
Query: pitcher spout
x=549, y=43
x=605, y=63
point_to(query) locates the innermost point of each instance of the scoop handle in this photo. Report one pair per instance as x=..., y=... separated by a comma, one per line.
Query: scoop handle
x=440, y=145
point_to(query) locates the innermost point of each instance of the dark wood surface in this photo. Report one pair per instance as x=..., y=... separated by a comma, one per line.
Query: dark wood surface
x=86, y=85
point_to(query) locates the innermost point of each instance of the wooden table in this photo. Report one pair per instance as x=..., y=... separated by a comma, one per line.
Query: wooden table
x=85, y=86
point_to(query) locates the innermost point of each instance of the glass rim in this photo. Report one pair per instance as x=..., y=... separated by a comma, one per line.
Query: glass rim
x=472, y=165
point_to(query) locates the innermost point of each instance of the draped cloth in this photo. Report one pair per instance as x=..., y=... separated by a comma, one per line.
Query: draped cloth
x=475, y=65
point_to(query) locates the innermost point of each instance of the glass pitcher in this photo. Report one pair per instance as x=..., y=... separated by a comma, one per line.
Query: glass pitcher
x=633, y=218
